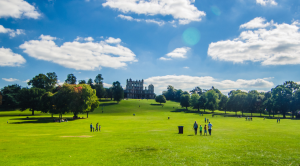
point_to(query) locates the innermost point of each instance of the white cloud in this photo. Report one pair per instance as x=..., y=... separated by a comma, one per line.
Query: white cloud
x=17, y=9
x=8, y=58
x=10, y=79
x=164, y=59
x=27, y=80
x=12, y=33
x=79, y=56
x=266, y=2
x=90, y=39
x=105, y=85
x=277, y=44
x=186, y=67
x=129, y=18
x=182, y=10
x=257, y=22
x=186, y=82
x=177, y=53
x=112, y=40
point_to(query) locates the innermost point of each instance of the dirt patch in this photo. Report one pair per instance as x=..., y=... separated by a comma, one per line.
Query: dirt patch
x=81, y=136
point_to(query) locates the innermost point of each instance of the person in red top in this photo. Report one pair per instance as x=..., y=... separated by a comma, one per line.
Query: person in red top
x=205, y=130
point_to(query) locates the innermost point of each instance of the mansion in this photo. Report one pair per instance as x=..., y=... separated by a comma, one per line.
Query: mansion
x=135, y=90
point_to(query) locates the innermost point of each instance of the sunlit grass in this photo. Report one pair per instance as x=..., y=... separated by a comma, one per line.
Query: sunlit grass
x=148, y=138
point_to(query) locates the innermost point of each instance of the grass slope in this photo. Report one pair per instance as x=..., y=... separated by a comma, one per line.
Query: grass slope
x=148, y=138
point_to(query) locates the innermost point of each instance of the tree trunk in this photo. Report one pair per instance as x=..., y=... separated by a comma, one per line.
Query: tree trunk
x=269, y=113
x=32, y=112
x=87, y=114
x=235, y=112
x=204, y=109
x=186, y=108
x=251, y=113
x=242, y=112
x=260, y=113
x=283, y=113
x=52, y=115
x=198, y=109
x=273, y=114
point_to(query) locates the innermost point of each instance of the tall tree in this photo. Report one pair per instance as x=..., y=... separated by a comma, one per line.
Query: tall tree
x=52, y=80
x=71, y=79
x=10, y=95
x=195, y=101
x=223, y=103
x=31, y=99
x=202, y=102
x=185, y=100
x=90, y=82
x=118, y=92
x=98, y=79
x=178, y=93
x=282, y=96
x=43, y=81
x=212, y=100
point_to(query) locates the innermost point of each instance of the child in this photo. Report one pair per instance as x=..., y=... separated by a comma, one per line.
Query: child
x=97, y=127
x=200, y=128
x=205, y=130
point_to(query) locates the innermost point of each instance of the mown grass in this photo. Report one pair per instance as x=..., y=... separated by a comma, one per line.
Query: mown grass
x=148, y=138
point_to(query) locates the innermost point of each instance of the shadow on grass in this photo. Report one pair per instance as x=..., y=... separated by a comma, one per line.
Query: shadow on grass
x=107, y=104
x=105, y=100
x=156, y=104
x=7, y=115
x=39, y=120
x=191, y=135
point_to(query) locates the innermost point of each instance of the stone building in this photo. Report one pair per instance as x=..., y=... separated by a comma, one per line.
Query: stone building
x=135, y=90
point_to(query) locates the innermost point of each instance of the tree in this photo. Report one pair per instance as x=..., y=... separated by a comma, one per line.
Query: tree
x=202, y=102
x=282, y=96
x=10, y=95
x=109, y=93
x=212, y=100
x=43, y=81
x=98, y=79
x=223, y=103
x=195, y=101
x=185, y=100
x=81, y=82
x=90, y=82
x=76, y=99
x=47, y=104
x=197, y=90
x=118, y=92
x=160, y=99
x=100, y=91
x=71, y=79
x=31, y=99
x=178, y=93
x=170, y=93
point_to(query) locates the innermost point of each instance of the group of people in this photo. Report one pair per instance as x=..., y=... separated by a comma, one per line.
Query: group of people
x=93, y=129
x=209, y=126
x=248, y=118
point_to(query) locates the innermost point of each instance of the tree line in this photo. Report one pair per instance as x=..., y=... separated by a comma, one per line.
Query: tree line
x=283, y=99
x=47, y=96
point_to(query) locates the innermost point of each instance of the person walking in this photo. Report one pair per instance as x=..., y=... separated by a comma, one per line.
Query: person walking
x=200, y=130
x=97, y=127
x=209, y=128
x=91, y=126
x=205, y=130
x=195, y=127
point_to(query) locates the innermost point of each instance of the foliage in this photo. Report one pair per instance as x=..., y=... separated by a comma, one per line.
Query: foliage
x=212, y=100
x=202, y=102
x=195, y=101
x=43, y=81
x=118, y=92
x=81, y=82
x=31, y=99
x=10, y=95
x=71, y=79
x=185, y=100
x=160, y=99
x=98, y=79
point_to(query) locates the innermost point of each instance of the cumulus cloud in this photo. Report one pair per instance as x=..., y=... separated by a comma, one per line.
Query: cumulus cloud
x=79, y=56
x=186, y=67
x=129, y=18
x=90, y=39
x=276, y=44
x=257, y=22
x=8, y=58
x=10, y=79
x=186, y=82
x=177, y=53
x=266, y=2
x=112, y=40
x=27, y=80
x=17, y=9
x=105, y=85
x=165, y=59
x=182, y=10
x=11, y=32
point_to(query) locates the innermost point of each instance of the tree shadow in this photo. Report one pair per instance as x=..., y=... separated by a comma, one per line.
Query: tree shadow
x=39, y=120
x=107, y=104
x=191, y=135
x=8, y=115
x=105, y=100
x=156, y=104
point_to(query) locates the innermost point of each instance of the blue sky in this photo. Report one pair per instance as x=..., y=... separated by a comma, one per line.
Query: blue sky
x=232, y=44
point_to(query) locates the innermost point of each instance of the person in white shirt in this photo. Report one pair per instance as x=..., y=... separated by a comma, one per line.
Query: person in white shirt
x=209, y=128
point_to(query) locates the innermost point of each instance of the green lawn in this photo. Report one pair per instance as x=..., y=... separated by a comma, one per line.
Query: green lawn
x=148, y=138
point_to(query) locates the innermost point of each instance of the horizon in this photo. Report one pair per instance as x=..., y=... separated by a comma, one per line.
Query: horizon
x=245, y=45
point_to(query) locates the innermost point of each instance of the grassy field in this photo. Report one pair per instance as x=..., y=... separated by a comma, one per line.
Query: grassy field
x=148, y=138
